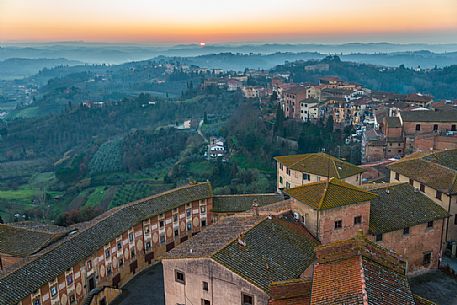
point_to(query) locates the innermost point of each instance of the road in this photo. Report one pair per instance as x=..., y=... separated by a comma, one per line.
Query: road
x=145, y=289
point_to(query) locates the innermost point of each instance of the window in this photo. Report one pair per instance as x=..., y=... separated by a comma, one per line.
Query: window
x=287, y=185
x=89, y=265
x=109, y=270
x=427, y=259
x=204, y=223
x=121, y=261
x=203, y=209
x=430, y=224
x=180, y=277
x=435, y=127
x=146, y=230
x=422, y=188
x=418, y=127
x=69, y=279
x=247, y=299
x=338, y=224
x=107, y=253
x=280, y=179
x=72, y=299
x=119, y=245
x=280, y=166
x=53, y=291
x=189, y=212
x=411, y=181
x=205, y=302
x=161, y=224
x=406, y=231
x=131, y=237
x=288, y=172
x=379, y=237
x=205, y=286
x=453, y=127
x=176, y=232
x=162, y=238
x=438, y=195
x=36, y=302
x=148, y=245
x=132, y=253
x=397, y=176
x=455, y=220
x=305, y=176
x=175, y=218
x=189, y=226
x=357, y=220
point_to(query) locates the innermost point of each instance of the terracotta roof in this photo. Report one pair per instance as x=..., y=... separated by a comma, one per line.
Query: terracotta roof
x=399, y=206
x=437, y=170
x=297, y=89
x=358, y=271
x=275, y=250
x=327, y=195
x=24, y=241
x=241, y=203
x=429, y=116
x=291, y=292
x=320, y=164
x=23, y=281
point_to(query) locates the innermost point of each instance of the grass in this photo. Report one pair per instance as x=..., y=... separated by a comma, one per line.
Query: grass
x=20, y=194
x=96, y=196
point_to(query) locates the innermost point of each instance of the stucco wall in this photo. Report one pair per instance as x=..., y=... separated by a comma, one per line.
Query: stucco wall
x=224, y=286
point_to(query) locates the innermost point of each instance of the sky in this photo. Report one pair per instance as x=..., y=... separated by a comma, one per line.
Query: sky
x=218, y=21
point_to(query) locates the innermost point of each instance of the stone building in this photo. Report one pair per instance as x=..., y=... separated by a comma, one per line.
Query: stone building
x=237, y=260
x=435, y=175
x=296, y=170
x=107, y=251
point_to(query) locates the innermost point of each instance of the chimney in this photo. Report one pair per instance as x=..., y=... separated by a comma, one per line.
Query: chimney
x=255, y=207
x=241, y=240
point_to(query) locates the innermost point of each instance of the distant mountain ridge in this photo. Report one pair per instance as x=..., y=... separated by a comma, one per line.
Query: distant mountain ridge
x=14, y=68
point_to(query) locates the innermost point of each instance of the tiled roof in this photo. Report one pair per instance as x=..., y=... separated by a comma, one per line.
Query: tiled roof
x=436, y=170
x=275, y=250
x=393, y=122
x=358, y=271
x=23, y=281
x=320, y=164
x=385, y=286
x=23, y=241
x=214, y=238
x=429, y=116
x=399, y=206
x=291, y=292
x=241, y=203
x=327, y=195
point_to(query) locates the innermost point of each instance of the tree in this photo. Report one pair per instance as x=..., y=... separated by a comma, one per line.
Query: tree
x=329, y=124
x=1, y=220
x=205, y=118
x=279, y=125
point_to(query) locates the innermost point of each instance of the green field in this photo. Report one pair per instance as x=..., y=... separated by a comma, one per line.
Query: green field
x=96, y=196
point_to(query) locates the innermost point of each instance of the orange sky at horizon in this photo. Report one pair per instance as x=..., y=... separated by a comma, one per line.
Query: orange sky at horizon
x=221, y=21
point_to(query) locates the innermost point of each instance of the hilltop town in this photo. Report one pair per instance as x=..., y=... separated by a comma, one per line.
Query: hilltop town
x=295, y=185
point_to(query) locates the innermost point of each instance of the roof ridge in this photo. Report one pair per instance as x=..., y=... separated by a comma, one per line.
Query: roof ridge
x=258, y=222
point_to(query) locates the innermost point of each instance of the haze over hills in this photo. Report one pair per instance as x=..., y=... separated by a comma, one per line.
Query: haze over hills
x=22, y=60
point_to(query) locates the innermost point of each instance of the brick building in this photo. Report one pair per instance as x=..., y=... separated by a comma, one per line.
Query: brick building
x=296, y=170
x=395, y=216
x=107, y=251
x=435, y=175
